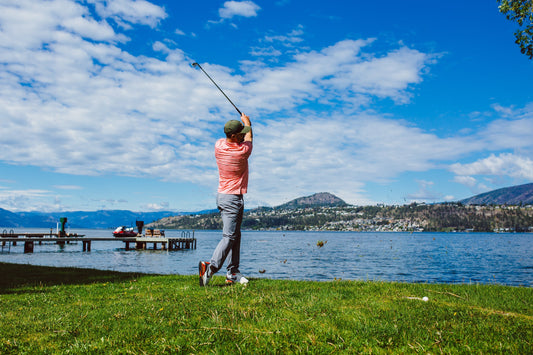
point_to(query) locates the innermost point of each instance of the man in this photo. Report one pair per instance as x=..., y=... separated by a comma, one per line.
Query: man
x=231, y=154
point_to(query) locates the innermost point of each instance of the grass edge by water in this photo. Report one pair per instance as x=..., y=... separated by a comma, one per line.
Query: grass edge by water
x=49, y=310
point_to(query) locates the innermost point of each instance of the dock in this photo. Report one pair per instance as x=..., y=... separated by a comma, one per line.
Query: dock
x=185, y=241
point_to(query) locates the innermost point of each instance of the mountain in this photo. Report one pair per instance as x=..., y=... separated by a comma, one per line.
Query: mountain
x=9, y=219
x=110, y=218
x=514, y=195
x=318, y=212
x=318, y=199
x=214, y=221
x=79, y=219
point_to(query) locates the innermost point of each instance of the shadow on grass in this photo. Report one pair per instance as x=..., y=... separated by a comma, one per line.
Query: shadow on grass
x=17, y=278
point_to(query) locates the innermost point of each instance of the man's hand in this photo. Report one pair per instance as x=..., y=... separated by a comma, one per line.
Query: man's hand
x=246, y=121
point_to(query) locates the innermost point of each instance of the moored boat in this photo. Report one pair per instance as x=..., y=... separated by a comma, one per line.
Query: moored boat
x=123, y=232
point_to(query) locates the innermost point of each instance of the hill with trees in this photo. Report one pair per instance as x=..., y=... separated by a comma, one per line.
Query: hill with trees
x=507, y=209
x=414, y=217
x=514, y=195
x=327, y=212
x=318, y=199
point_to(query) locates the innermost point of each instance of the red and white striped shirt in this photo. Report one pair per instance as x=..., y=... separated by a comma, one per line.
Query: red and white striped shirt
x=232, y=161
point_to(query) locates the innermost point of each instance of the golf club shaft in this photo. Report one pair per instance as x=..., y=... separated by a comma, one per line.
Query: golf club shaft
x=226, y=96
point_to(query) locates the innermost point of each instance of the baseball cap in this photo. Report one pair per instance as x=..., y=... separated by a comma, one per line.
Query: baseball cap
x=234, y=126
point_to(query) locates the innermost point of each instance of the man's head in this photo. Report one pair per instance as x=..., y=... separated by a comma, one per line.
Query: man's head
x=234, y=128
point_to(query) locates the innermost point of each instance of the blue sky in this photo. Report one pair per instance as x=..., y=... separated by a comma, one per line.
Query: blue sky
x=376, y=102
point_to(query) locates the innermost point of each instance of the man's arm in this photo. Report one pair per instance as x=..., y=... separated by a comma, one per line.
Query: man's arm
x=246, y=121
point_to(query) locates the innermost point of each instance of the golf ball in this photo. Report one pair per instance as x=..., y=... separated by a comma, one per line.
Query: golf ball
x=425, y=299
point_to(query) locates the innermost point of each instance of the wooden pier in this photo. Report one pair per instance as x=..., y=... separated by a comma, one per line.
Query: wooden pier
x=186, y=241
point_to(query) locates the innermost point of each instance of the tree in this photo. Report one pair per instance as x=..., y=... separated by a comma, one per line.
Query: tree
x=520, y=11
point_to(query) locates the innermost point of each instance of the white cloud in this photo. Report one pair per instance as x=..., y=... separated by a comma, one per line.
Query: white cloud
x=424, y=193
x=510, y=133
x=88, y=107
x=265, y=52
x=465, y=180
x=27, y=200
x=295, y=156
x=289, y=39
x=163, y=206
x=387, y=76
x=24, y=27
x=238, y=8
x=87, y=118
x=339, y=73
x=504, y=164
x=89, y=28
x=288, y=43
x=68, y=187
x=130, y=11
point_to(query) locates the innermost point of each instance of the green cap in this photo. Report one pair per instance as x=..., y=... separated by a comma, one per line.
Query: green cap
x=234, y=126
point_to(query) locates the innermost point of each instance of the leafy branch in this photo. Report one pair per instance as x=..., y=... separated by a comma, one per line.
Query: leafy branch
x=521, y=12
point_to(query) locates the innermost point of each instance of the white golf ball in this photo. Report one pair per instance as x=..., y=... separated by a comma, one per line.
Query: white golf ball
x=425, y=299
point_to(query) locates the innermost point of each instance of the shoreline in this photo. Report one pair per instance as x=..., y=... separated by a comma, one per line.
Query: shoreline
x=60, y=310
x=125, y=273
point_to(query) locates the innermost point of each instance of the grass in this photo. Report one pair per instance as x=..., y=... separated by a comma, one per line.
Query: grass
x=63, y=310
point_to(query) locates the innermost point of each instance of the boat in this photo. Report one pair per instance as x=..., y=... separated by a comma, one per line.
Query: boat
x=124, y=232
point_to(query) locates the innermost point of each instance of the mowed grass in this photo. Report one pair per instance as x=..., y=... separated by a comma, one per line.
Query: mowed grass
x=63, y=310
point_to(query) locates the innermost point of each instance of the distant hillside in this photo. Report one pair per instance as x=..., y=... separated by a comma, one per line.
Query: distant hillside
x=263, y=217
x=9, y=219
x=318, y=199
x=79, y=219
x=213, y=220
x=514, y=195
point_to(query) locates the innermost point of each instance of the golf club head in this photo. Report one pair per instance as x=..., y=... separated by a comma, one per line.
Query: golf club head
x=194, y=64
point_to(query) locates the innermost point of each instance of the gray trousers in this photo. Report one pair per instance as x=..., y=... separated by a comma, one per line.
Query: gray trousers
x=231, y=209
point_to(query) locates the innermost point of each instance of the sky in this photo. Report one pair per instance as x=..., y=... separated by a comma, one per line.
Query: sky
x=387, y=102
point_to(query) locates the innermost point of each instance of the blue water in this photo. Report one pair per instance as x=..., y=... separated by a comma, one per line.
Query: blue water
x=485, y=258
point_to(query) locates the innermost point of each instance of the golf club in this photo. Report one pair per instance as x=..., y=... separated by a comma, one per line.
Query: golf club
x=199, y=66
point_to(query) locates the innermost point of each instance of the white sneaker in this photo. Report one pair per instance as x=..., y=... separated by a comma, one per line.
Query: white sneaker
x=236, y=278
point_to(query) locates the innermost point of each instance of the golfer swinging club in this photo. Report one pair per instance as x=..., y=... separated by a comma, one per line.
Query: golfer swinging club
x=231, y=154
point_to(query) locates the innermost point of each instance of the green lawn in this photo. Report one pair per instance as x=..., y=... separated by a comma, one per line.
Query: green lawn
x=64, y=310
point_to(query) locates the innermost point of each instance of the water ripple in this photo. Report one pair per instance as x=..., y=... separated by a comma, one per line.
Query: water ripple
x=418, y=257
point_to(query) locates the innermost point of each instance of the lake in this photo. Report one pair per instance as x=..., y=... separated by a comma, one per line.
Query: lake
x=486, y=258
